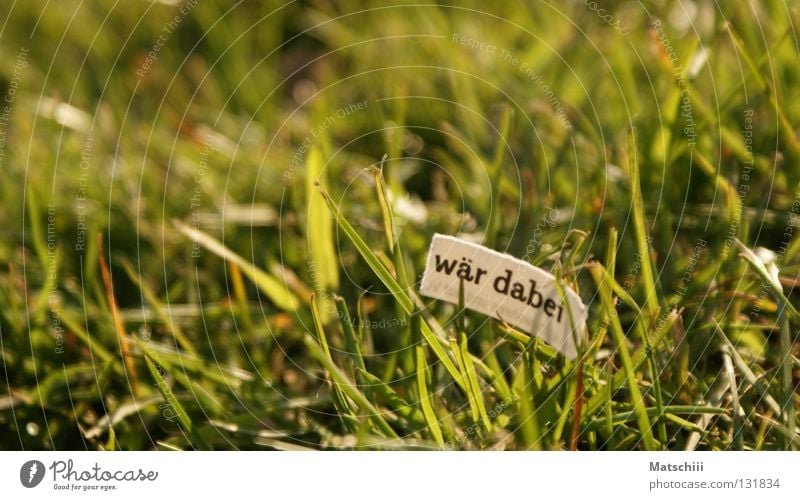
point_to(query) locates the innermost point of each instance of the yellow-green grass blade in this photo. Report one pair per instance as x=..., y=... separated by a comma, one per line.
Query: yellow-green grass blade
x=600, y=400
x=274, y=289
x=323, y=262
x=386, y=209
x=424, y=396
x=528, y=426
x=343, y=385
x=639, y=226
x=394, y=287
x=151, y=299
x=339, y=399
x=352, y=342
x=474, y=387
x=639, y=407
x=156, y=371
x=347, y=386
x=393, y=400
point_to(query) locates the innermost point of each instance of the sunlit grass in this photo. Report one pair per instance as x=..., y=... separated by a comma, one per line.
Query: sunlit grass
x=226, y=254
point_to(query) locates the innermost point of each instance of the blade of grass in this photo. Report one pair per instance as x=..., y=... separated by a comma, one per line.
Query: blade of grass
x=461, y=350
x=352, y=342
x=319, y=236
x=788, y=412
x=638, y=359
x=394, y=287
x=392, y=399
x=790, y=434
x=383, y=200
x=396, y=251
x=200, y=393
x=151, y=298
x=421, y=369
x=242, y=310
x=346, y=385
x=628, y=416
x=785, y=127
x=163, y=386
x=732, y=200
x=651, y=290
x=122, y=336
x=639, y=227
x=424, y=396
x=272, y=287
x=111, y=443
x=103, y=354
x=472, y=379
x=736, y=407
x=741, y=364
x=637, y=401
x=496, y=173
x=339, y=399
x=715, y=397
x=528, y=421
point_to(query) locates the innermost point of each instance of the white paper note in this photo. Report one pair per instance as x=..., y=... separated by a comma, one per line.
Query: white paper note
x=505, y=288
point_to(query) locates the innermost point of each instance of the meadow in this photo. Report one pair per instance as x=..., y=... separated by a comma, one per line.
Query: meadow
x=214, y=216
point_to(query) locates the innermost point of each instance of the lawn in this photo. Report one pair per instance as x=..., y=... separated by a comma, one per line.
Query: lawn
x=215, y=215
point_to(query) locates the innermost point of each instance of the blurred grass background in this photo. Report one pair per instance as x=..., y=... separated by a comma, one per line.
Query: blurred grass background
x=131, y=129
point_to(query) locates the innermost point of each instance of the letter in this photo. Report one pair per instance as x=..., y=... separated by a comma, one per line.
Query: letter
x=503, y=282
x=447, y=265
x=549, y=306
x=480, y=272
x=465, y=270
x=561, y=309
x=654, y=467
x=58, y=467
x=518, y=292
x=537, y=294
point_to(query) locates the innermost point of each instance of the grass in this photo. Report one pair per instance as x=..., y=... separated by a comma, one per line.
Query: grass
x=216, y=242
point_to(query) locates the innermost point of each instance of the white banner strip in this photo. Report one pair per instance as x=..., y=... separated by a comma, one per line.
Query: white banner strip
x=402, y=475
x=504, y=288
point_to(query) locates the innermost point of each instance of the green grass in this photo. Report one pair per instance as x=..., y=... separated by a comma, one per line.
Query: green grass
x=219, y=246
